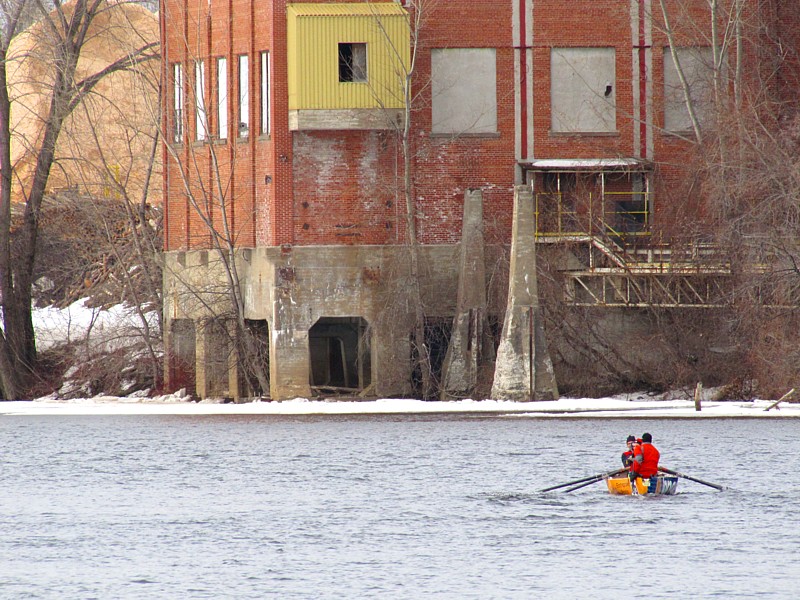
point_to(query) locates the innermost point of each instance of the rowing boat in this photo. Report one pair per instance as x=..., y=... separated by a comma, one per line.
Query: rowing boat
x=659, y=485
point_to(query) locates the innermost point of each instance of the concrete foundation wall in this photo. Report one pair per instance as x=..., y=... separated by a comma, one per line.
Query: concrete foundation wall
x=293, y=287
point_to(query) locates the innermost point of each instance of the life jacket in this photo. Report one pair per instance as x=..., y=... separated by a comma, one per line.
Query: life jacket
x=627, y=458
x=648, y=466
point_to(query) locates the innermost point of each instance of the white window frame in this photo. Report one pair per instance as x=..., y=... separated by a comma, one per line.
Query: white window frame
x=222, y=98
x=266, y=107
x=201, y=114
x=179, y=103
x=244, y=96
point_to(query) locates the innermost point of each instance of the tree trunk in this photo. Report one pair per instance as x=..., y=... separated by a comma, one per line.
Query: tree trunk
x=421, y=348
x=10, y=374
x=67, y=35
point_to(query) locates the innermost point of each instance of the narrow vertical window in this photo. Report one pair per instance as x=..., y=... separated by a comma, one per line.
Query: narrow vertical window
x=352, y=63
x=200, y=101
x=178, y=97
x=244, y=97
x=265, y=93
x=222, y=98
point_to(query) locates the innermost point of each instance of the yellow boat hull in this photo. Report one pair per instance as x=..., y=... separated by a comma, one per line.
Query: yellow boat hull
x=661, y=485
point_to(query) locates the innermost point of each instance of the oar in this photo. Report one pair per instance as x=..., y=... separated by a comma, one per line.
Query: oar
x=577, y=487
x=591, y=479
x=671, y=472
x=597, y=478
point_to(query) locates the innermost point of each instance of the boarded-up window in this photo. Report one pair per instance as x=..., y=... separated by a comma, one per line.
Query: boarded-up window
x=697, y=66
x=583, y=90
x=464, y=91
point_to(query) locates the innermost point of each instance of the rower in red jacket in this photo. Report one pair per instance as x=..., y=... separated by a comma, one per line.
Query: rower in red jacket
x=645, y=458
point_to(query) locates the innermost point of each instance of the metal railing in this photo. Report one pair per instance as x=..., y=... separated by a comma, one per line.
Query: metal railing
x=616, y=214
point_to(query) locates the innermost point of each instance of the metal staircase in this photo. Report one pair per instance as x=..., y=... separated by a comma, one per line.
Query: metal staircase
x=644, y=275
x=614, y=259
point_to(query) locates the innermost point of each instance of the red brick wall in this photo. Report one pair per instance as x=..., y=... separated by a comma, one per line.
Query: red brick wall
x=346, y=189
x=582, y=23
x=446, y=166
x=338, y=187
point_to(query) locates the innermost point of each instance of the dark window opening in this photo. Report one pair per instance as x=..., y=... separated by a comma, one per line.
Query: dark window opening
x=555, y=182
x=557, y=207
x=352, y=63
x=437, y=340
x=249, y=383
x=627, y=203
x=340, y=354
x=182, y=356
x=217, y=359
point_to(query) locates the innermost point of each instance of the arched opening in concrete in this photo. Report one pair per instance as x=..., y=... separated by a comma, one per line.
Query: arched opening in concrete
x=340, y=355
x=182, y=356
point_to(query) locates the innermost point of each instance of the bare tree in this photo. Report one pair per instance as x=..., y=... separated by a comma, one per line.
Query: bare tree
x=414, y=93
x=205, y=178
x=746, y=171
x=60, y=36
x=132, y=238
x=223, y=304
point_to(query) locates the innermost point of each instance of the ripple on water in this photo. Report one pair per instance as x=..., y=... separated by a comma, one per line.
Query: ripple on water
x=146, y=507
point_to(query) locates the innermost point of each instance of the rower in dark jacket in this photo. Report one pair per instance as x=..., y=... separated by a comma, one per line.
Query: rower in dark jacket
x=627, y=456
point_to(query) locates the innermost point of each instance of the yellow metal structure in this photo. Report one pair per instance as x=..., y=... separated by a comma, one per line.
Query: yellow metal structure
x=314, y=32
x=559, y=214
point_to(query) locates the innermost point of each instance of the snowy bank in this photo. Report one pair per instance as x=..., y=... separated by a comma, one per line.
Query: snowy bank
x=105, y=330
x=615, y=407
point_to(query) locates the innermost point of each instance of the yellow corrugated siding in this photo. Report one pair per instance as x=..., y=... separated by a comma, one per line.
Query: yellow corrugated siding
x=313, y=34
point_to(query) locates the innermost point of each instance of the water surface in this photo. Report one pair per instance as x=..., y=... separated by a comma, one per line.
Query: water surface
x=390, y=507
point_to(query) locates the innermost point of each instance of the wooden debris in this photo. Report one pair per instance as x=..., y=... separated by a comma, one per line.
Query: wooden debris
x=786, y=396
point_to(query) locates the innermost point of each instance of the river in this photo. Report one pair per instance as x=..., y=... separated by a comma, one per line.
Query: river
x=390, y=507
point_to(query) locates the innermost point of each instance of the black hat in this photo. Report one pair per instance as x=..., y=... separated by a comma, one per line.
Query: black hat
x=631, y=438
x=647, y=438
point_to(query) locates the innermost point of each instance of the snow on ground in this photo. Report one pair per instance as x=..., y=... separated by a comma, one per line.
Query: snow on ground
x=93, y=326
x=80, y=323
x=615, y=407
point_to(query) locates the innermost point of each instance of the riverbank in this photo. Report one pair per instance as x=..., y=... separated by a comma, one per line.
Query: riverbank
x=625, y=406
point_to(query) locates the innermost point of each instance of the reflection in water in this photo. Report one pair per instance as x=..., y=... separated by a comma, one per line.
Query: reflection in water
x=389, y=507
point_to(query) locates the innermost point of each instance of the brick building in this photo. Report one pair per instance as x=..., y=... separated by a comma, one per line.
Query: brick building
x=293, y=139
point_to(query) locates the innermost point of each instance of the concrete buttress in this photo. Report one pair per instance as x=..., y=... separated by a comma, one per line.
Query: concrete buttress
x=460, y=370
x=523, y=369
x=289, y=348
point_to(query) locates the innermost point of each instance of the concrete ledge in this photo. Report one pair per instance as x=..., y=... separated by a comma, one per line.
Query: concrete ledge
x=354, y=118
